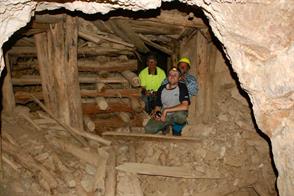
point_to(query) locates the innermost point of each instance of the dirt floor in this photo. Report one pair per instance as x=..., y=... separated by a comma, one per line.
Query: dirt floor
x=228, y=157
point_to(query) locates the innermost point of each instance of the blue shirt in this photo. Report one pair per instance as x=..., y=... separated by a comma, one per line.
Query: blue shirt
x=191, y=83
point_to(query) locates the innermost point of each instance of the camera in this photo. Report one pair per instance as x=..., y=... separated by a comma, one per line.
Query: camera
x=158, y=114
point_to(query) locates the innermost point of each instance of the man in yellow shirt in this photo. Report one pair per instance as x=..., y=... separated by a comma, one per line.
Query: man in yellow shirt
x=151, y=78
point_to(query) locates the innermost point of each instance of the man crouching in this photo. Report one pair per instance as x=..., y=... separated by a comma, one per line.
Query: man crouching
x=171, y=106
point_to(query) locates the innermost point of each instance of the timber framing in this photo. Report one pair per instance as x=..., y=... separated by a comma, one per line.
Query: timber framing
x=82, y=69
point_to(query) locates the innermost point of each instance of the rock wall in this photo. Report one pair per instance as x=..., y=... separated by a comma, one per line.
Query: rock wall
x=258, y=40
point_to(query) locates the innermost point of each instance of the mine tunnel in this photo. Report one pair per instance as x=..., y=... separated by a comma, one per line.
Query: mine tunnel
x=73, y=118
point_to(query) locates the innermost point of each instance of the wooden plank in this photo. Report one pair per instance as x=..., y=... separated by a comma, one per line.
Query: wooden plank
x=123, y=29
x=209, y=111
x=99, y=179
x=90, y=37
x=48, y=18
x=44, y=52
x=24, y=97
x=56, y=37
x=155, y=45
x=110, y=181
x=36, y=80
x=89, y=124
x=117, y=66
x=202, y=66
x=88, y=51
x=188, y=48
x=72, y=75
x=156, y=170
x=90, y=157
x=111, y=93
x=28, y=51
x=8, y=100
x=132, y=78
x=122, y=135
x=97, y=39
x=152, y=26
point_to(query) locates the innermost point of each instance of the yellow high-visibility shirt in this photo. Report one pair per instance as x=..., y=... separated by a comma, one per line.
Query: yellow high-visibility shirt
x=151, y=82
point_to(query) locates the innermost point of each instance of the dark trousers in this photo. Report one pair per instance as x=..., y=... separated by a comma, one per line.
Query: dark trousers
x=154, y=126
x=149, y=101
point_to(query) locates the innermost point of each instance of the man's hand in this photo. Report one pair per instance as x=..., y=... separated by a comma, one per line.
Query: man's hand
x=163, y=116
x=154, y=115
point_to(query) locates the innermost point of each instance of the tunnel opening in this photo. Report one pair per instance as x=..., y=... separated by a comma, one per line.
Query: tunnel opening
x=220, y=152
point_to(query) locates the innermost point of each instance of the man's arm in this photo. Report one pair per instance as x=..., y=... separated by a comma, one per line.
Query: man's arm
x=192, y=84
x=181, y=107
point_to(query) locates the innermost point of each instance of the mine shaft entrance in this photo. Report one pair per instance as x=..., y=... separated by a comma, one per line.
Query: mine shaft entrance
x=84, y=70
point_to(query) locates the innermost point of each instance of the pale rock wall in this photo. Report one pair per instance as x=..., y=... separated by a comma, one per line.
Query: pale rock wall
x=258, y=39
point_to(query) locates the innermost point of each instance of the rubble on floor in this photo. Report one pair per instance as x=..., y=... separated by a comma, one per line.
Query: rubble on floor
x=228, y=158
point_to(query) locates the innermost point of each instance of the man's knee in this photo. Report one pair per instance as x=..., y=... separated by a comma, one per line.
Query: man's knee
x=180, y=117
x=152, y=127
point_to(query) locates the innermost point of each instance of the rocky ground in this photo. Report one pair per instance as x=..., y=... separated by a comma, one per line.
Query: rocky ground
x=228, y=157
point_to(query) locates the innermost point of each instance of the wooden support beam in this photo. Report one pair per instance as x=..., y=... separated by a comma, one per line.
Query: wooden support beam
x=90, y=157
x=209, y=111
x=48, y=18
x=102, y=103
x=111, y=93
x=123, y=29
x=90, y=37
x=99, y=179
x=132, y=78
x=8, y=100
x=117, y=66
x=202, y=67
x=36, y=80
x=155, y=45
x=188, y=48
x=122, y=135
x=72, y=75
x=49, y=85
x=27, y=51
x=97, y=39
x=89, y=124
x=110, y=181
x=57, y=36
x=24, y=97
x=88, y=51
x=107, y=51
x=153, y=27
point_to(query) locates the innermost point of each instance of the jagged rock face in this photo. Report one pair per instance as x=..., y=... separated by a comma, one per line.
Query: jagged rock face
x=258, y=39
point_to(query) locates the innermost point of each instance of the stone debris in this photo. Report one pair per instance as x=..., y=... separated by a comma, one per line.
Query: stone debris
x=230, y=158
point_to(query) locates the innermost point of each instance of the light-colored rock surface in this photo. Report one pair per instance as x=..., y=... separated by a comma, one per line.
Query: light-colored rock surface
x=259, y=41
x=258, y=38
